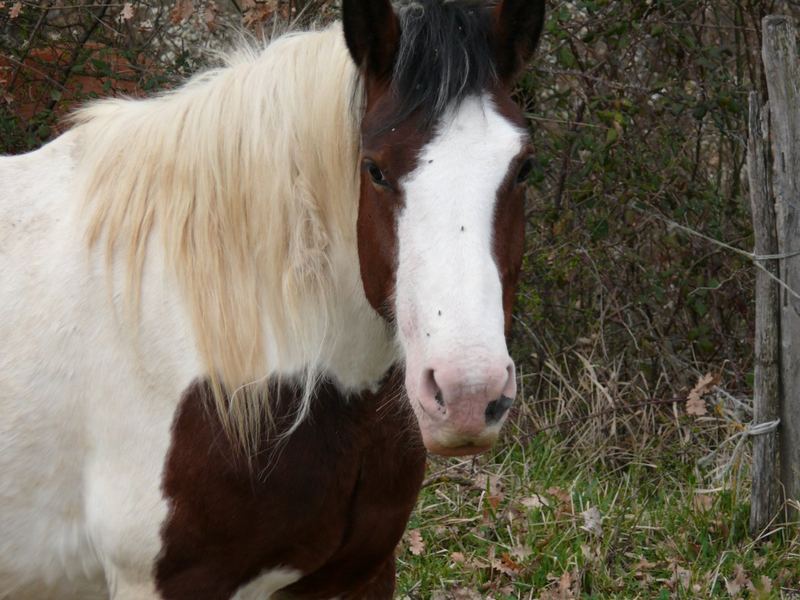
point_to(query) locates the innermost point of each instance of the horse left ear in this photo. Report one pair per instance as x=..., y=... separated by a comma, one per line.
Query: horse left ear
x=372, y=33
x=516, y=31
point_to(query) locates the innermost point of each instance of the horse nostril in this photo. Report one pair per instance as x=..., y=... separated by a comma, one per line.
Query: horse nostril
x=431, y=388
x=496, y=409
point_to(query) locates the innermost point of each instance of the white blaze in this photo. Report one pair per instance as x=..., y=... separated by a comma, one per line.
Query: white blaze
x=449, y=293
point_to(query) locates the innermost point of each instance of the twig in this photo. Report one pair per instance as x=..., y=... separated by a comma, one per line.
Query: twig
x=562, y=178
x=29, y=45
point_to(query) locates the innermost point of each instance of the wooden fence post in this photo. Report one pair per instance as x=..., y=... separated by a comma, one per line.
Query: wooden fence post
x=782, y=70
x=765, y=495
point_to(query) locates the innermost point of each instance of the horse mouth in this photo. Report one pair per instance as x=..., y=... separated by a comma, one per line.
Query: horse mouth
x=457, y=451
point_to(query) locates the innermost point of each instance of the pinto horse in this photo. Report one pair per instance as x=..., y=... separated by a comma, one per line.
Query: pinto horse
x=235, y=316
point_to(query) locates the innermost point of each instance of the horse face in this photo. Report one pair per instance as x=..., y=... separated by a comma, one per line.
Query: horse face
x=441, y=219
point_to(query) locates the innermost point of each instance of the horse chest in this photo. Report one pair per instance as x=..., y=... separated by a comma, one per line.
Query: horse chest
x=328, y=506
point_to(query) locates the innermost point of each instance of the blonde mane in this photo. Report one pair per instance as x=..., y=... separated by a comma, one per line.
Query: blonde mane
x=249, y=174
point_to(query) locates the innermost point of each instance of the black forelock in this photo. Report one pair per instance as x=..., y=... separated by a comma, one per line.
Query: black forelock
x=444, y=56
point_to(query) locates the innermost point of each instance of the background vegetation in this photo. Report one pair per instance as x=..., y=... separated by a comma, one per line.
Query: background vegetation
x=605, y=486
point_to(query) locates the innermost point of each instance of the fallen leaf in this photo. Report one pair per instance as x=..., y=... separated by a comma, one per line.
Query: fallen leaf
x=565, y=583
x=506, y=565
x=703, y=502
x=521, y=552
x=458, y=557
x=561, y=589
x=588, y=552
x=695, y=405
x=738, y=583
x=641, y=567
x=766, y=585
x=127, y=12
x=182, y=10
x=416, y=545
x=15, y=10
x=535, y=501
x=210, y=15
x=593, y=521
x=683, y=577
x=489, y=483
x=456, y=594
x=257, y=15
x=564, y=499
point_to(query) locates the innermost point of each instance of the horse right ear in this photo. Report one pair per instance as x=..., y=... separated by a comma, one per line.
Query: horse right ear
x=517, y=28
x=372, y=33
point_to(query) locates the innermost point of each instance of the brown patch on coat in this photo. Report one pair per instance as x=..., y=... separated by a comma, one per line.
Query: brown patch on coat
x=331, y=502
x=508, y=238
x=395, y=151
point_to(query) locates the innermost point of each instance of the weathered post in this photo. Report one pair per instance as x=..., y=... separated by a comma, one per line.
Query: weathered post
x=782, y=70
x=765, y=494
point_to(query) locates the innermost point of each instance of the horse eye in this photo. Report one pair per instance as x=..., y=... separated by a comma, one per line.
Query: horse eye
x=525, y=170
x=376, y=174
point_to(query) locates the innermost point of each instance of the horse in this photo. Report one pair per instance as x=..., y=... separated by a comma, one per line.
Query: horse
x=235, y=316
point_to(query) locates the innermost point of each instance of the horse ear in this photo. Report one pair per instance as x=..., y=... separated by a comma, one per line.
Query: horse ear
x=372, y=33
x=517, y=28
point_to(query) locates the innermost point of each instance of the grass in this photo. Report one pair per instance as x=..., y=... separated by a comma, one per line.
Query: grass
x=612, y=506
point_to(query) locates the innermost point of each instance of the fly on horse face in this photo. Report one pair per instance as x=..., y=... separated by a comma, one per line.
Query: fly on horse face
x=235, y=316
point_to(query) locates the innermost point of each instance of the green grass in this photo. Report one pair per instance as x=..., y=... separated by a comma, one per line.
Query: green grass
x=662, y=534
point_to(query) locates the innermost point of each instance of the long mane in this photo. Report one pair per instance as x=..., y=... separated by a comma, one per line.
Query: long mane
x=247, y=177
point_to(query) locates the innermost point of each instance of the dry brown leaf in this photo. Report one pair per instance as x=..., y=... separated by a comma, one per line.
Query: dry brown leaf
x=210, y=15
x=695, y=405
x=739, y=582
x=458, y=558
x=182, y=10
x=565, y=584
x=416, y=545
x=15, y=10
x=562, y=588
x=506, y=565
x=563, y=496
x=258, y=15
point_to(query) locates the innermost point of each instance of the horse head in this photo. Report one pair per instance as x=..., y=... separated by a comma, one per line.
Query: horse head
x=444, y=158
